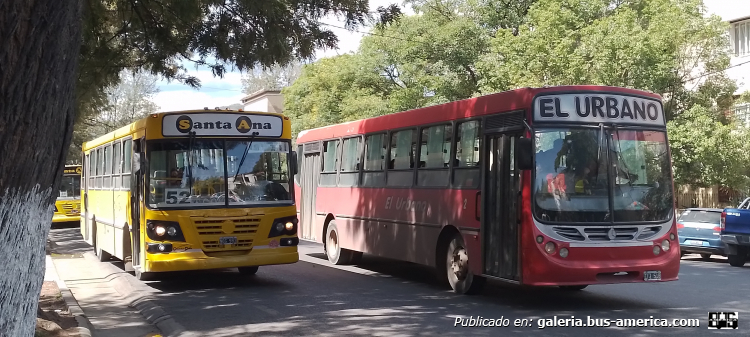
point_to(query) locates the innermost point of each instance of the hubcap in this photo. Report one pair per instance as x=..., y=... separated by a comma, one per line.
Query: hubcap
x=332, y=243
x=460, y=263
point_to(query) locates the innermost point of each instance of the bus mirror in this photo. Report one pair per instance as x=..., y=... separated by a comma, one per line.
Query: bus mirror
x=136, y=162
x=294, y=163
x=524, y=154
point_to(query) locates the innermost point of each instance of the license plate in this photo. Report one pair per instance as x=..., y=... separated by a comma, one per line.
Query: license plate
x=652, y=275
x=228, y=240
x=695, y=242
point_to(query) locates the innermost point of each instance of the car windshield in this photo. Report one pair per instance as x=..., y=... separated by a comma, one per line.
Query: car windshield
x=70, y=187
x=700, y=216
x=573, y=169
x=182, y=174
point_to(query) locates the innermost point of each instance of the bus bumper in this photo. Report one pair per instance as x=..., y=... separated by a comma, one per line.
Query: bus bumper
x=587, y=266
x=65, y=218
x=197, y=260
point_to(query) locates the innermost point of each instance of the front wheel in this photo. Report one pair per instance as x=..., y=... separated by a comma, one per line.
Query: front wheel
x=574, y=288
x=457, y=268
x=248, y=270
x=736, y=260
x=334, y=252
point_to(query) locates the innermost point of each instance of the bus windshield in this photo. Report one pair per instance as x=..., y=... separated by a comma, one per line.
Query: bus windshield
x=70, y=187
x=198, y=174
x=602, y=175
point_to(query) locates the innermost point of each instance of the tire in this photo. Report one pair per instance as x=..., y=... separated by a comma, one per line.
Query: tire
x=457, y=269
x=248, y=271
x=142, y=276
x=334, y=252
x=706, y=257
x=574, y=288
x=736, y=260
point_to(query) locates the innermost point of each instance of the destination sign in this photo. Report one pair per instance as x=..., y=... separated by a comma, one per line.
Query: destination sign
x=598, y=108
x=72, y=170
x=222, y=124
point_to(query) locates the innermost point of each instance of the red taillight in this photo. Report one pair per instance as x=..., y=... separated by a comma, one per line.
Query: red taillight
x=717, y=229
x=680, y=225
x=723, y=221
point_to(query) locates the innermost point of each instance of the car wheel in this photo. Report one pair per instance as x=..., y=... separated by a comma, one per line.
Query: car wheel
x=736, y=260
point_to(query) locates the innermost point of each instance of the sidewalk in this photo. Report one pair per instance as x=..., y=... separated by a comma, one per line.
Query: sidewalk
x=90, y=288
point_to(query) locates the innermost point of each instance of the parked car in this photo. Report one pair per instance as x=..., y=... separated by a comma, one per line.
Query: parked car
x=699, y=230
x=735, y=233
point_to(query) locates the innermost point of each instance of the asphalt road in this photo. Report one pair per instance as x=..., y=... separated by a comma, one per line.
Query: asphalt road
x=381, y=297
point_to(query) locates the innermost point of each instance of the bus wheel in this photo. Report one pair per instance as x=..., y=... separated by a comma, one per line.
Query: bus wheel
x=579, y=287
x=143, y=276
x=248, y=270
x=457, y=266
x=334, y=252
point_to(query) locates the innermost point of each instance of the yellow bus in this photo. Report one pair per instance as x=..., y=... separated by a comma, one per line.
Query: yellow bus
x=190, y=190
x=68, y=203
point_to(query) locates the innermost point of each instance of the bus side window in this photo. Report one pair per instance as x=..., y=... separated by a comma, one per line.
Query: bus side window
x=330, y=160
x=466, y=172
x=402, y=156
x=434, y=156
x=374, y=168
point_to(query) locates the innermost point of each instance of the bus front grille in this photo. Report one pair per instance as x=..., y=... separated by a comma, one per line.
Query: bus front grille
x=603, y=234
x=211, y=231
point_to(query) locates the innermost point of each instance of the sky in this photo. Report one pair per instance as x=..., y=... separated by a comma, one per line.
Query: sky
x=225, y=91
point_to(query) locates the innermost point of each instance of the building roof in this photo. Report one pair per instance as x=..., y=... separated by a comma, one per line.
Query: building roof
x=259, y=93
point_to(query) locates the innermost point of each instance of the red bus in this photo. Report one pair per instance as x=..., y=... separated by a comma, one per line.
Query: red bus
x=559, y=186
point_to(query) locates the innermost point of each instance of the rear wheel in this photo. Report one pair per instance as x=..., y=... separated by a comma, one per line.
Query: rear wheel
x=334, y=252
x=248, y=270
x=457, y=268
x=736, y=260
x=706, y=257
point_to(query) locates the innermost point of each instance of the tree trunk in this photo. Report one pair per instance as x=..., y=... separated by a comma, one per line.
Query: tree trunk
x=40, y=42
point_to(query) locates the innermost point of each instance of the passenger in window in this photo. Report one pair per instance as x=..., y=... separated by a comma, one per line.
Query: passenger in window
x=174, y=177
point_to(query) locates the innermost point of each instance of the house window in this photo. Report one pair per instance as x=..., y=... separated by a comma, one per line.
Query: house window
x=741, y=32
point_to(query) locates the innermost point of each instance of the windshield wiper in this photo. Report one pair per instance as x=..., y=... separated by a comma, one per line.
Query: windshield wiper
x=244, y=155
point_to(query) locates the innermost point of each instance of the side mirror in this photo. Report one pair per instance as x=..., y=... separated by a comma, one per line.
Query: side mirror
x=137, y=161
x=524, y=154
x=294, y=163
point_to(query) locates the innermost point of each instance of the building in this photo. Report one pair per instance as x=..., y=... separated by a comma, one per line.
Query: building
x=264, y=101
x=737, y=14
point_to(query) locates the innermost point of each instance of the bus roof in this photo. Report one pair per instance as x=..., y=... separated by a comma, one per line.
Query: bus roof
x=478, y=106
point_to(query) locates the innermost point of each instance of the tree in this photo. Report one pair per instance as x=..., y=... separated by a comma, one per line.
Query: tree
x=126, y=102
x=707, y=152
x=43, y=42
x=656, y=45
x=273, y=78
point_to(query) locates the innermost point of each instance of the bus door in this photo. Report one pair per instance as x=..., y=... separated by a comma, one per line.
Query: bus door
x=500, y=202
x=136, y=201
x=309, y=183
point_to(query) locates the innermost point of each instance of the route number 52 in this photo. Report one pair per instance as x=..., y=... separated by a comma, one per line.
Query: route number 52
x=176, y=195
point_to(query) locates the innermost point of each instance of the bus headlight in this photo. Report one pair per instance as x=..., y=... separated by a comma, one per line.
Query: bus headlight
x=164, y=231
x=550, y=247
x=284, y=226
x=563, y=252
x=665, y=245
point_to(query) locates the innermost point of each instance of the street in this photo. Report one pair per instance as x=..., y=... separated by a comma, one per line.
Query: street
x=382, y=297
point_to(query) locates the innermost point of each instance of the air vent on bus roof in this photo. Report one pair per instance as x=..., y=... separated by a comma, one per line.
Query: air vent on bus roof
x=505, y=121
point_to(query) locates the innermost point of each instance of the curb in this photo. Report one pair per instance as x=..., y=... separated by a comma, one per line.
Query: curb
x=140, y=298
x=85, y=328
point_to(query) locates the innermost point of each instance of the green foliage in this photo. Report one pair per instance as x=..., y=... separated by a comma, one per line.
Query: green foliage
x=706, y=152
